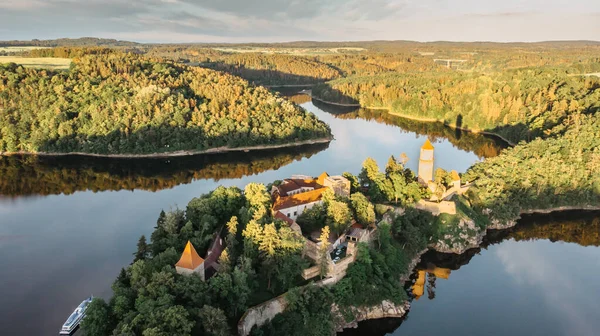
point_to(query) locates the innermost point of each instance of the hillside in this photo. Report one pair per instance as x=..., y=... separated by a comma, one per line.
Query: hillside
x=129, y=104
x=520, y=104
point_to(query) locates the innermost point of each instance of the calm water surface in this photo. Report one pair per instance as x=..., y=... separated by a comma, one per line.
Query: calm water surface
x=68, y=225
x=540, y=278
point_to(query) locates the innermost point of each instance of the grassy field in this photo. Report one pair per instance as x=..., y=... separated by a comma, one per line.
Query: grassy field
x=42, y=62
x=292, y=51
x=18, y=49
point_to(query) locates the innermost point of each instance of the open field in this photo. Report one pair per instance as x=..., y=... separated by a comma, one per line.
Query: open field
x=292, y=51
x=18, y=49
x=53, y=63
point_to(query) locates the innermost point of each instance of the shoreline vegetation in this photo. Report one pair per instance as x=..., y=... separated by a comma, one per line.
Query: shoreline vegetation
x=129, y=103
x=180, y=153
x=517, y=105
x=409, y=117
x=123, y=104
x=260, y=250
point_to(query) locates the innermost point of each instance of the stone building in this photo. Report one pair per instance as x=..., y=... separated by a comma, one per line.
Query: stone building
x=455, y=180
x=191, y=263
x=294, y=205
x=294, y=195
x=339, y=184
x=425, y=173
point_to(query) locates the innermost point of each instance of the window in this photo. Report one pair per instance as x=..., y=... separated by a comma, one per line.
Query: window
x=288, y=214
x=295, y=213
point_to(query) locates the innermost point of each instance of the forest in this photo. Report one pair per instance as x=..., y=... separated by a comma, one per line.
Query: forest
x=262, y=259
x=119, y=103
x=109, y=102
x=519, y=104
x=542, y=174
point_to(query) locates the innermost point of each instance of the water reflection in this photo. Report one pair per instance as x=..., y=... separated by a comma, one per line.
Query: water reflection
x=72, y=240
x=34, y=175
x=358, y=134
x=482, y=145
x=534, y=279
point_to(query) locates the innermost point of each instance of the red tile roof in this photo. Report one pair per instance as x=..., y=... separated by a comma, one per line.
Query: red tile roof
x=298, y=199
x=280, y=215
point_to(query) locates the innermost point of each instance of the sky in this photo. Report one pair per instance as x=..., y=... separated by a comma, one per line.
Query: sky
x=180, y=21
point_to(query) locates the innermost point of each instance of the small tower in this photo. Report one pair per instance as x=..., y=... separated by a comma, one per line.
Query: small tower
x=455, y=179
x=190, y=262
x=426, y=163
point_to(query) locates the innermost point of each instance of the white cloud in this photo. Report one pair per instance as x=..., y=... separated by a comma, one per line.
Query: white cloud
x=529, y=264
x=285, y=20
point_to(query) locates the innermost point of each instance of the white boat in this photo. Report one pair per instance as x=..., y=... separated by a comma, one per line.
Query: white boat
x=73, y=321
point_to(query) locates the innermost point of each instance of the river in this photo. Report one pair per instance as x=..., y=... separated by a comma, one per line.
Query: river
x=68, y=225
x=538, y=278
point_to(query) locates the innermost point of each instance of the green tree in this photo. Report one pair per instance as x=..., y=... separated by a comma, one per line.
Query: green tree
x=214, y=321
x=364, y=211
x=98, y=320
x=338, y=216
x=142, y=249
x=258, y=200
x=393, y=166
x=313, y=219
x=354, y=184
x=323, y=252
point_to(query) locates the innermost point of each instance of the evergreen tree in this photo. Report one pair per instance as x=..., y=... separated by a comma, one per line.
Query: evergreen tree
x=142, y=249
x=214, y=321
x=98, y=320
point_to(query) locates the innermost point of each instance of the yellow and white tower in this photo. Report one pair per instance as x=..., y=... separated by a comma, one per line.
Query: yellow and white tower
x=426, y=163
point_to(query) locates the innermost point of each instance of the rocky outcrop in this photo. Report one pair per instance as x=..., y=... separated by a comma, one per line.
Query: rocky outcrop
x=498, y=225
x=385, y=309
x=466, y=236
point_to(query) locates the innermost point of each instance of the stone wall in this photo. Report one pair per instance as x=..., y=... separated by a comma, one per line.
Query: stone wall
x=437, y=208
x=261, y=314
x=311, y=250
x=311, y=272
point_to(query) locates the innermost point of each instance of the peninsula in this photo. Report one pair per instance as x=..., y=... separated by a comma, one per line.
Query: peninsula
x=311, y=255
x=109, y=103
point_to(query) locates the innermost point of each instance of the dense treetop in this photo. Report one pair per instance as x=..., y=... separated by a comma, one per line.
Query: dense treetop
x=125, y=103
x=519, y=105
x=542, y=174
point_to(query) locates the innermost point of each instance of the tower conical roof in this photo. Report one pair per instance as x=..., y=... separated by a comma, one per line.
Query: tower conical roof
x=427, y=145
x=322, y=177
x=189, y=258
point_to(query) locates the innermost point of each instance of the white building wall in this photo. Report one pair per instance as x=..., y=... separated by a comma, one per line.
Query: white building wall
x=186, y=271
x=295, y=211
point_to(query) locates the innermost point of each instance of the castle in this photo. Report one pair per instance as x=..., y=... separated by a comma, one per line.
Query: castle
x=425, y=173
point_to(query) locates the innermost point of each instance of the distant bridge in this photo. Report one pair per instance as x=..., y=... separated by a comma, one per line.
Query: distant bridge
x=448, y=62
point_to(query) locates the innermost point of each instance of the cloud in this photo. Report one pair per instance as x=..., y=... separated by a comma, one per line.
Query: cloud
x=285, y=20
x=21, y=5
x=532, y=264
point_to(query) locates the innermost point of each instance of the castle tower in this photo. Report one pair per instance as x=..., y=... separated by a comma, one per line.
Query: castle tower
x=190, y=262
x=426, y=163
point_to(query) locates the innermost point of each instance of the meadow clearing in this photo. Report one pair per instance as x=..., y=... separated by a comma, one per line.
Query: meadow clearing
x=53, y=63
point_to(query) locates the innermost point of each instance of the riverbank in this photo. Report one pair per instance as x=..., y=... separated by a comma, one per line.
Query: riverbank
x=216, y=150
x=474, y=241
x=289, y=86
x=409, y=117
